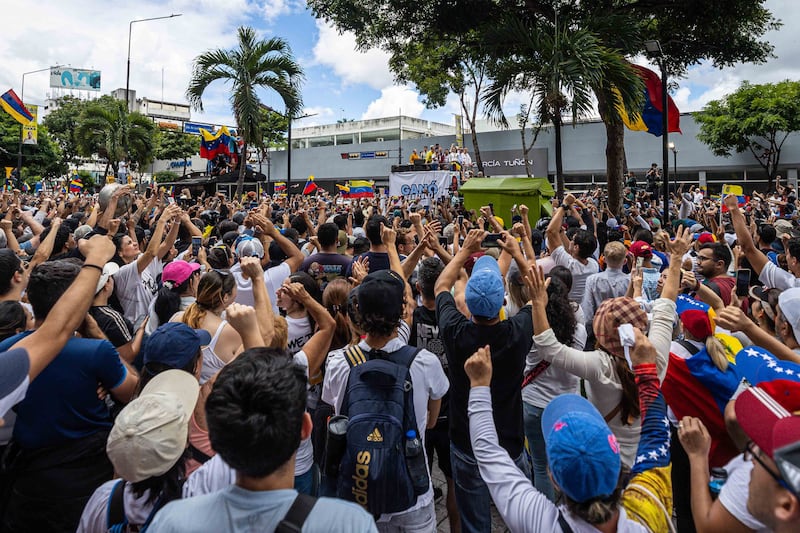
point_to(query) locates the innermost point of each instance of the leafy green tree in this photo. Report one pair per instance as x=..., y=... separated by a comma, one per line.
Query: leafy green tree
x=756, y=119
x=253, y=64
x=165, y=176
x=42, y=160
x=61, y=124
x=439, y=68
x=724, y=32
x=107, y=130
x=176, y=145
x=562, y=67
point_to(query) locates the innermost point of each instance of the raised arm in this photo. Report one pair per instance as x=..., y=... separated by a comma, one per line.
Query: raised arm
x=294, y=256
x=70, y=310
x=317, y=347
x=449, y=275
x=755, y=257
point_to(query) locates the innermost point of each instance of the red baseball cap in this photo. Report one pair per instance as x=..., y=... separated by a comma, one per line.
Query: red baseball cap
x=706, y=238
x=641, y=249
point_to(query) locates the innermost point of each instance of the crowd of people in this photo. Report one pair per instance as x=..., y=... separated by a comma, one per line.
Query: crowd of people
x=205, y=363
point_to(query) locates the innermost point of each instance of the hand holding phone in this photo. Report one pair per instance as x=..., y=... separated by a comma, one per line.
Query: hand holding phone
x=492, y=240
x=743, y=282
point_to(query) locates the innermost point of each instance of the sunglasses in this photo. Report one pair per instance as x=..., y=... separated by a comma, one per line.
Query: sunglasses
x=752, y=451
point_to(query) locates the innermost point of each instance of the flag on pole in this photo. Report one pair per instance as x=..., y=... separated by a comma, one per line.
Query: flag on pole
x=735, y=190
x=310, y=186
x=75, y=185
x=650, y=117
x=280, y=187
x=14, y=107
x=212, y=144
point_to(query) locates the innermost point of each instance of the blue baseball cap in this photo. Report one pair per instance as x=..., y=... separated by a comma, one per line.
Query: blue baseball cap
x=485, y=292
x=758, y=365
x=582, y=451
x=175, y=344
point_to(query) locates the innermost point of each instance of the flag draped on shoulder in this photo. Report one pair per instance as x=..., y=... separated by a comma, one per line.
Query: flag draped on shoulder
x=11, y=103
x=650, y=117
x=212, y=144
x=310, y=186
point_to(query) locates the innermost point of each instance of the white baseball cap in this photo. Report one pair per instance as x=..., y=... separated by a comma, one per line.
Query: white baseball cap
x=150, y=434
x=109, y=269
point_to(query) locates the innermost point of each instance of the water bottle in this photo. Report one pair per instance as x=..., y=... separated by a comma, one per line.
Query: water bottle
x=335, y=444
x=415, y=462
x=718, y=478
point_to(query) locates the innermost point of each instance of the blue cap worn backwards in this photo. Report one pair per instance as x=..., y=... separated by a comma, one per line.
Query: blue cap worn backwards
x=485, y=292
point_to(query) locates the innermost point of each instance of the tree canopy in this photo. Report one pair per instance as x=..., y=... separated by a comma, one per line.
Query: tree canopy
x=253, y=64
x=756, y=119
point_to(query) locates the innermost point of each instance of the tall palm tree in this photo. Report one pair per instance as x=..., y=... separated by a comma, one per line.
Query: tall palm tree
x=266, y=63
x=561, y=68
x=106, y=129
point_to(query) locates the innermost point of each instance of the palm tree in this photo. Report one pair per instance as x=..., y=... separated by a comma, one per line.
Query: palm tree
x=106, y=129
x=266, y=63
x=562, y=69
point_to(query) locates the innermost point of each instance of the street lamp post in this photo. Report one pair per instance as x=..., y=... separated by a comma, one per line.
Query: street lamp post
x=674, y=160
x=21, y=131
x=128, y=75
x=654, y=48
x=289, y=149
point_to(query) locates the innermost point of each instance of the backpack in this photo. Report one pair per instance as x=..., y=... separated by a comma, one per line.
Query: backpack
x=379, y=402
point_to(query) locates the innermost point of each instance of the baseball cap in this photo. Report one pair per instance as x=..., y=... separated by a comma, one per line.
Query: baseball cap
x=177, y=272
x=14, y=378
x=698, y=323
x=705, y=238
x=381, y=293
x=761, y=294
x=789, y=305
x=485, y=292
x=582, y=452
x=696, y=228
x=641, y=249
x=758, y=366
x=230, y=237
x=783, y=226
x=250, y=248
x=109, y=269
x=174, y=344
x=149, y=435
x=772, y=427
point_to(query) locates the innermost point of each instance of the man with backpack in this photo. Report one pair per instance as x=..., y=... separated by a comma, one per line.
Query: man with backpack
x=390, y=393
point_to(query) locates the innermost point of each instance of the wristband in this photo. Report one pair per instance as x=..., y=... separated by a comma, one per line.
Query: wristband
x=696, y=285
x=89, y=265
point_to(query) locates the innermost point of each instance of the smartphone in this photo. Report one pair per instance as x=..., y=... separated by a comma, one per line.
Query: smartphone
x=170, y=200
x=639, y=262
x=743, y=282
x=196, y=243
x=491, y=208
x=514, y=209
x=460, y=221
x=443, y=241
x=491, y=240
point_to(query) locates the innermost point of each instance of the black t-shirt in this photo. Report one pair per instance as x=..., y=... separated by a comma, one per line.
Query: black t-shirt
x=325, y=267
x=425, y=334
x=117, y=328
x=377, y=261
x=510, y=341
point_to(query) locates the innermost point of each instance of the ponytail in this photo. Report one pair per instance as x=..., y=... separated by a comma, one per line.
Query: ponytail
x=717, y=352
x=630, y=394
x=194, y=315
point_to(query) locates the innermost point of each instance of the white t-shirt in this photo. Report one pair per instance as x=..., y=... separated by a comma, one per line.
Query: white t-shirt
x=299, y=332
x=135, y=291
x=579, y=271
x=273, y=277
x=93, y=519
x=775, y=277
x=553, y=381
x=736, y=491
x=427, y=376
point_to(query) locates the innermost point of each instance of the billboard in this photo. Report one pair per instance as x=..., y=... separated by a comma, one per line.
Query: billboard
x=194, y=128
x=74, y=78
x=30, y=131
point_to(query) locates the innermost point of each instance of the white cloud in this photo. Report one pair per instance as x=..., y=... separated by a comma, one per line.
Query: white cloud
x=338, y=51
x=393, y=100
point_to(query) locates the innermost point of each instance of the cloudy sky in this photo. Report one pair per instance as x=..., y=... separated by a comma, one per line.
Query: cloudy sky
x=340, y=82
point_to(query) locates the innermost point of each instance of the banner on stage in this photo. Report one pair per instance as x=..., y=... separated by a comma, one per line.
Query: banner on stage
x=424, y=186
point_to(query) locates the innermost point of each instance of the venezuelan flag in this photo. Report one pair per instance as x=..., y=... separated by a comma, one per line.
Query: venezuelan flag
x=650, y=117
x=280, y=187
x=75, y=185
x=735, y=190
x=343, y=189
x=14, y=107
x=361, y=189
x=25, y=187
x=310, y=186
x=212, y=144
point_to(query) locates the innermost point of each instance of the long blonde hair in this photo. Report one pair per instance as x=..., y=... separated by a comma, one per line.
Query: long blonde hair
x=211, y=290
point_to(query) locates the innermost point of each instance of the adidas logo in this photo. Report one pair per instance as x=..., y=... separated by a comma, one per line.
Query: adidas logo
x=375, y=436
